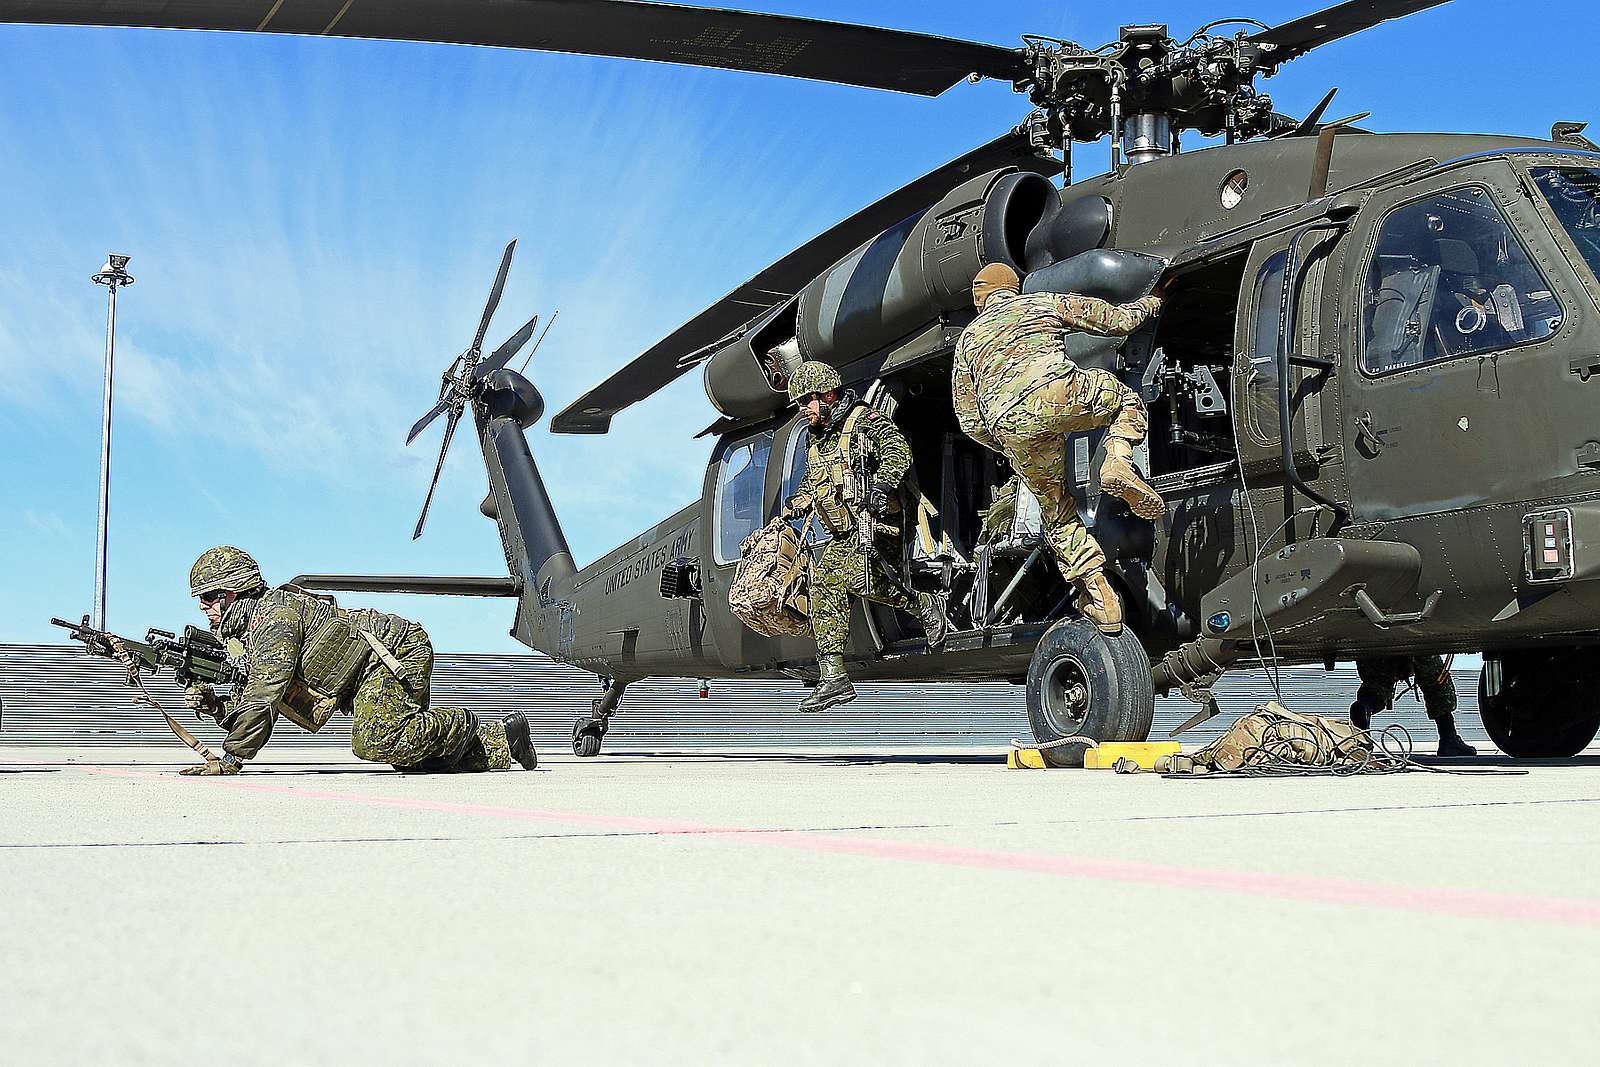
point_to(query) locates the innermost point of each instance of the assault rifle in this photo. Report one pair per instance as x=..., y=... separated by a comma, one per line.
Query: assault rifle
x=198, y=656
x=866, y=522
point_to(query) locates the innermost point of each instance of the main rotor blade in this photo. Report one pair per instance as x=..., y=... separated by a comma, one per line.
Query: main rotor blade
x=449, y=432
x=422, y=423
x=680, y=350
x=506, y=352
x=630, y=29
x=1300, y=36
x=494, y=301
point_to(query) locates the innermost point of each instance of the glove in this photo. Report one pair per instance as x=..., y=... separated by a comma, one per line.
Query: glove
x=878, y=498
x=201, y=699
x=213, y=767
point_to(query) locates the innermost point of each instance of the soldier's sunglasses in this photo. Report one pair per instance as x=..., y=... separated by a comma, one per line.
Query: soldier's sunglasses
x=207, y=599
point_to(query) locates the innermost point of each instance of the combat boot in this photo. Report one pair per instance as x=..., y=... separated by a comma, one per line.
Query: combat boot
x=934, y=623
x=1119, y=478
x=519, y=740
x=834, y=688
x=1450, y=742
x=1099, y=603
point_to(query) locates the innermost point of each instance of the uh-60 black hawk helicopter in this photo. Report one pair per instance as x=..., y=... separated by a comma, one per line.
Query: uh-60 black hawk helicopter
x=1373, y=387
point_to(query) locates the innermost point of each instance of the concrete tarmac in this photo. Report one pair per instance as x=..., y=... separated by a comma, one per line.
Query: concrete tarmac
x=825, y=907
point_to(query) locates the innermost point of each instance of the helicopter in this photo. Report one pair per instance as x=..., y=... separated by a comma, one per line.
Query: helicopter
x=1371, y=386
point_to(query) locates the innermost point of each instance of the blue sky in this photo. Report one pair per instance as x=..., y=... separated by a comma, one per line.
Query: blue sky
x=315, y=223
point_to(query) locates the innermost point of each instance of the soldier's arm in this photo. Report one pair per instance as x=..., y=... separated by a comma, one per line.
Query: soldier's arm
x=1090, y=314
x=273, y=652
x=800, y=503
x=890, y=446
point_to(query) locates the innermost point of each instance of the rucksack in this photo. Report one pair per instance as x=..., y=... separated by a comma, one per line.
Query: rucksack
x=769, y=592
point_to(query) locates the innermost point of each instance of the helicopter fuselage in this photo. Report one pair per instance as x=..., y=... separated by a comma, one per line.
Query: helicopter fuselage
x=1443, y=324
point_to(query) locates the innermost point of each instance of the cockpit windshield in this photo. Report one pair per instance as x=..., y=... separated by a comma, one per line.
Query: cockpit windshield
x=1574, y=195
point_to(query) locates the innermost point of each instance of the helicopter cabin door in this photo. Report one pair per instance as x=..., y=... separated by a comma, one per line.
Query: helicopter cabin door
x=1266, y=315
x=1463, y=311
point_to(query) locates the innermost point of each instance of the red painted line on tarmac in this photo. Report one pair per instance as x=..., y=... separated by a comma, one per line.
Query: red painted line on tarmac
x=1458, y=903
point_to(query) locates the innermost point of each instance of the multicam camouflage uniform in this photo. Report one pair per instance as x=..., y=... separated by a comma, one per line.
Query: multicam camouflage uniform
x=1017, y=393
x=841, y=569
x=301, y=653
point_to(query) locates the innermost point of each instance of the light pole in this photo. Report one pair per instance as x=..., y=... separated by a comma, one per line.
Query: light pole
x=113, y=274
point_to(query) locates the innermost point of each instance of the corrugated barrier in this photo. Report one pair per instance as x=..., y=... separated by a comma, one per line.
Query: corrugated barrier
x=53, y=694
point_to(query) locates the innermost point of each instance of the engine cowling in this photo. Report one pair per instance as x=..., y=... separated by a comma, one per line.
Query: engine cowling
x=892, y=287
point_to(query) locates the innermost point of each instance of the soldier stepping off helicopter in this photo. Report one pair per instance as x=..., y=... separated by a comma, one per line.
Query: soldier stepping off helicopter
x=856, y=465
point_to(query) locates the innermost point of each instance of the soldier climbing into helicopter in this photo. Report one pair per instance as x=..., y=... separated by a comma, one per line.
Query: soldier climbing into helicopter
x=305, y=657
x=857, y=462
x=1017, y=392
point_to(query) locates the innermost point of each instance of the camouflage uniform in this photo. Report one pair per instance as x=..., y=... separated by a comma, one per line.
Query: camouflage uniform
x=840, y=570
x=1016, y=392
x=303, y=654
x=1380, y=675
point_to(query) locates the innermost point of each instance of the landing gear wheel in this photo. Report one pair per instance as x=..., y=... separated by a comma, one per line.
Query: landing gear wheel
x=1082, y=682
x=1540, y=705
x=586, y=737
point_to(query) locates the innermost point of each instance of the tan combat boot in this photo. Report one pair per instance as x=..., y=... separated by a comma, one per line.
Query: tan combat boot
x=1118, y=478
x=1100, y=603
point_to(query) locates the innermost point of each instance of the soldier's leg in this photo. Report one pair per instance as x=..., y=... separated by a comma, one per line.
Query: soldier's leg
x=1439, y=697
x=1090, y=400
x=1126, y=426
x=1378, y=675
x=830, y=596
x=1041, y=463
x=883, y=585
x=394, y=724
x=836, y=570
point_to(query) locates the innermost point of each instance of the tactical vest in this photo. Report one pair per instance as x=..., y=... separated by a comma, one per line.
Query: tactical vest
x=836, y=501
x=340, y=645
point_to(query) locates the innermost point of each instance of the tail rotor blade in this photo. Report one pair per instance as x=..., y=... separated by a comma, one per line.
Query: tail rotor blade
x=422, y=423
x=494, y=300
x=449, y=432
x=506, y=352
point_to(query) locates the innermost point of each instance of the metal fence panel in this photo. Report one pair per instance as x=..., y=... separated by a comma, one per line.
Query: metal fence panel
x=52, y=694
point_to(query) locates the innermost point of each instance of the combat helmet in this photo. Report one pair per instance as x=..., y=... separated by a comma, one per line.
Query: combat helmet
x=812, y=376
x=225, y=569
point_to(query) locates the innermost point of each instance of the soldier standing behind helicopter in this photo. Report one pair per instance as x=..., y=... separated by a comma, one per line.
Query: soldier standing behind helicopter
x=1017, y=393
x=846, y=438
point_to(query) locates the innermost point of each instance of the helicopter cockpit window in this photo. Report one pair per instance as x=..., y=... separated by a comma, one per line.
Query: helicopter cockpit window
x=1574, y=195
x=737, y=511
x=1449, y=278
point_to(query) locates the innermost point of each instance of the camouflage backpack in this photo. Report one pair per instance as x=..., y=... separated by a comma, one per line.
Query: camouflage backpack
x=769, y=592
x=1273, y=735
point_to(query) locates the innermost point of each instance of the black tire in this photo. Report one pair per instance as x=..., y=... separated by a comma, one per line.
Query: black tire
x=586, y=744
x=1545, y=705
x=1082, y=682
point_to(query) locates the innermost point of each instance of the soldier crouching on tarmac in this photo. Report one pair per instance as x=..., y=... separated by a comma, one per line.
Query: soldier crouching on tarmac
x=304, y=657
x=845, y=433
x=1017, y=393
x=1379, y=676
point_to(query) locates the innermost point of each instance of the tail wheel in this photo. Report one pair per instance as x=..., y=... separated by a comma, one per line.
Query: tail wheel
x=1541, y=705
x=1081, y=682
